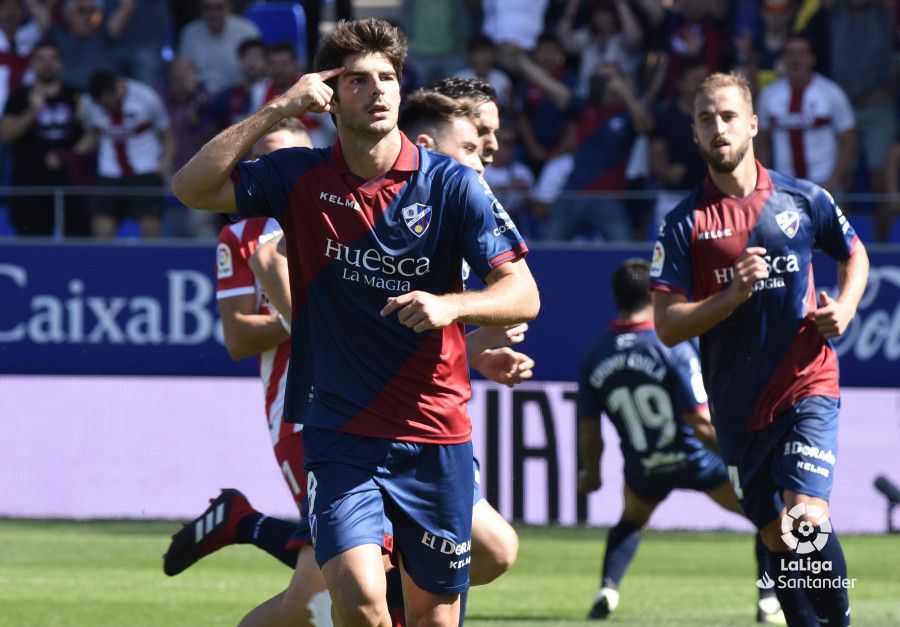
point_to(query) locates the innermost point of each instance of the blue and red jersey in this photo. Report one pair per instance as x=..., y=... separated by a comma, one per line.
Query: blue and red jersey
x=767, y=354
x=351, y=244
x=644, y=388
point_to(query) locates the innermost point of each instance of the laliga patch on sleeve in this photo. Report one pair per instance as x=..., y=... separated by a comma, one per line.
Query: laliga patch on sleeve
x=659, y=258
x=224, y=264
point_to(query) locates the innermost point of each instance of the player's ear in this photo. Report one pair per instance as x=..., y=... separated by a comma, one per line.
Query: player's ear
x=426, y=141
x=754, y=125
x=694, y=133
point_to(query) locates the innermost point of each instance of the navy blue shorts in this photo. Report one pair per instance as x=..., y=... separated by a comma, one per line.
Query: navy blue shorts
x=796, y=452
x=703, y=474
x=476, y=489
x=360, y=489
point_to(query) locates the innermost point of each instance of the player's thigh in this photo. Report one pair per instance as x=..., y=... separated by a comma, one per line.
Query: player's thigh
x=289, y=454
x=724, y=495
x=356, y=582
x=495, y=544
x=637, y=509
x=427, y=608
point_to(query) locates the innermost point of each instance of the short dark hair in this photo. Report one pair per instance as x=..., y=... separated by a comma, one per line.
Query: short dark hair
x=102, y=82
x=251, y=43
x=46, y=42
x=631, y=285
x=480, y=42
x=283, y=46
x=428, y=112
x=472, y=88
x=370, y=35
x=291, y=124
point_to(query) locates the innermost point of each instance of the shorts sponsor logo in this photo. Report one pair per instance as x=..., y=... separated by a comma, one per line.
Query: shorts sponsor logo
x=451, y=548
x=224, y=263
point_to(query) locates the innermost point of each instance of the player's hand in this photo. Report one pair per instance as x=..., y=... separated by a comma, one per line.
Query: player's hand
x=496, y=337
x=421, y=311
x=832, y=317
x=749, y=268
x=588, y=480
x=310, y=93
x=503, y=365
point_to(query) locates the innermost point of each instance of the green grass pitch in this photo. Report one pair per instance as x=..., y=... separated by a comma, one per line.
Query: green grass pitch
x=110, y=574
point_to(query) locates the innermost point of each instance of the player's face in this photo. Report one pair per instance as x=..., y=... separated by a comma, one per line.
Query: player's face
x=367, y=96
x=277, y=140
x=723, y=127
x=460, y=140
x=488, y=125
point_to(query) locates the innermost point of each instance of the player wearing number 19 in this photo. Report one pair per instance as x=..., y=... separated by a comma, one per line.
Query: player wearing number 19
x=655, y=398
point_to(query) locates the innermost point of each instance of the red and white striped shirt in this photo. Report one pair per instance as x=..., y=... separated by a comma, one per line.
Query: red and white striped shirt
x=234, y=278
x=129, y=137
x=805, y=124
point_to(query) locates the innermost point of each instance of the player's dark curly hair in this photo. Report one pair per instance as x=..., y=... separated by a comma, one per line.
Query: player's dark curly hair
x=631, y=285
x=371, y=35
x=471, y=88
x=429, y=112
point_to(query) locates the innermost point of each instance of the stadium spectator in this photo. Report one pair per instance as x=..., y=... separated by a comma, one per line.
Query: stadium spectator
x=610, y=37
x=861, y=46
x=806, y=124
x=514, y=22
x=674, y=161
x=732, y=265
x=284, y=70
x=128, y=121
x=211, y=43
x=606, y=126
x=542, y=118
x=436, y=32
x=482, y=57
x=86, y=35
x=350, y=557
x=41, y=124
x=236, y=102
x=138, y=51
x=512, y=181
x=17, y=38
x=654, y=397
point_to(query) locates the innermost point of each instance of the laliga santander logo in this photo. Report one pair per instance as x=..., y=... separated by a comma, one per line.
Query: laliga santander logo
x=805, y=528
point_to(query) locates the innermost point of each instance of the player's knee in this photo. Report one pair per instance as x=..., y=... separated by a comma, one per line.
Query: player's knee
x=493, y=554
x=771, y=537
x=359, y=602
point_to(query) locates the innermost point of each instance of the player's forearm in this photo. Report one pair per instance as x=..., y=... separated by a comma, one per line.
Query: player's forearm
x=512, y=299
x=197, y=183
x=677, y=322
x=590, y=445
x=270, y=268
x=852, y=277
x=249, y=335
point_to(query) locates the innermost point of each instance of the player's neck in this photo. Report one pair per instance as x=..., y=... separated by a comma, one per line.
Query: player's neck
x=641, y=315
x=741, y=181
x=369, y=157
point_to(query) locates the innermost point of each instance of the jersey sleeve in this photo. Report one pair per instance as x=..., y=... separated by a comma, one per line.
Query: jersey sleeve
x=689, y=393
x=489, y=236
x=587, y=405
x=834, y=235
x=671, y=268
x=233, y=274
x=261, y=186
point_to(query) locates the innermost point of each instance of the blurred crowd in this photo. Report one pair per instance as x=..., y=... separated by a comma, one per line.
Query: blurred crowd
x=595, y=100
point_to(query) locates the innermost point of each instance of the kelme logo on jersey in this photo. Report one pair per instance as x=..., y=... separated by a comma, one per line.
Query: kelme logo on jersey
x=417, y=218
x=789, y=222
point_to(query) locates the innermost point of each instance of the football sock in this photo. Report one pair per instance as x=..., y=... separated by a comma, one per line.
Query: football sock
x=763, y=565
x=269, y=534
x=796, y=607
x=831, y=602
x=621, y=546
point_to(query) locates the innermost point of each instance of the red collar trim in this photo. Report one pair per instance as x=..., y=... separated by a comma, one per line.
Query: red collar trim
x=407, y=160
x=624, y=326
x=713, y=193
